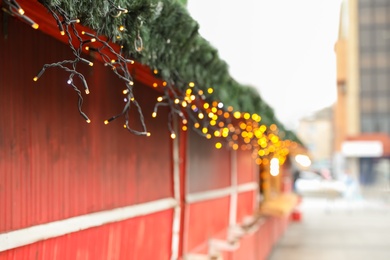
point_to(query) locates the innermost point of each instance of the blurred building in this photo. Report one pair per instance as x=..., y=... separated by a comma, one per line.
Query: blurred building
x=316, y=133
x=362, y=111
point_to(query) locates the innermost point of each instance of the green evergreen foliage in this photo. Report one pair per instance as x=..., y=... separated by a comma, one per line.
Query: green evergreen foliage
x=172, y=45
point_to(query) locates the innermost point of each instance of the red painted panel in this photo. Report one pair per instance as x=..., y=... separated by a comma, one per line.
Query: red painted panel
x=208, y=168
x=247, y=250
x=204, y=221
x=146, y=238
x=53, y=165
x=246, y=167
x=245, y=205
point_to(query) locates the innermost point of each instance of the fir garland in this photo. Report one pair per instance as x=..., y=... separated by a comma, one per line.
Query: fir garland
x=172, y=46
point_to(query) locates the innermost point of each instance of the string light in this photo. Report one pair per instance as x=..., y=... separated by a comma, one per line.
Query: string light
x=207, y=118
x=118, y=64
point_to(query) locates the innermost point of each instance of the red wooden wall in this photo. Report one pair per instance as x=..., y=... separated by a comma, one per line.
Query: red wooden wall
x=53, y=165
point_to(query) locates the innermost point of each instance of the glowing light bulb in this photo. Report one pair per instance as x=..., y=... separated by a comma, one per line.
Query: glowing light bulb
x=154, y=114
x=21, y=11
x=155, y=85
x=191, y=84
x=62, y=33
x=35, y=78
x=121, y=28
x=159, y=99
x=173, y=135
x=35, y=26
x=88, y=121
x=210, y=90
x=106, y=122
x=125, y=91
x=218, y=145
x=148, y=134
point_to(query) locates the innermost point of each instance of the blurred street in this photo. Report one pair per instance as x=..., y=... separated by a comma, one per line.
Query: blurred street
x=338, y=228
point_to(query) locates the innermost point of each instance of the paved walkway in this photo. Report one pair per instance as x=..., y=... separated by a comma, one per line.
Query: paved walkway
x=338, y=230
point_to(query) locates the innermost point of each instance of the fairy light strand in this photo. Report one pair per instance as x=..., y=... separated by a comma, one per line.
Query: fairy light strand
x=13, y=8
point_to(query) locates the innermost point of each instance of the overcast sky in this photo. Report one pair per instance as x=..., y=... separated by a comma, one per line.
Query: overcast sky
x=283, y=48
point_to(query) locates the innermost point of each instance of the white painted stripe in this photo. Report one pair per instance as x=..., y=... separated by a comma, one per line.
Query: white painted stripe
x=219, y=193
x=234, y=184
x=208, y=195
x=250, y=186
x=34, y=234
x=176, y=191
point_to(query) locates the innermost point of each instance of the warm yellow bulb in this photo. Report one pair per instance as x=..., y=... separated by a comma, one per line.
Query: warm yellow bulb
x=106, y=122
x=62, y=33
x=154, y=114
x=125, y=91
x=208, y=136
x=87, y=91
x=155, y=71
x=90, y=64
x=35, y=78
x=196, y=125
x=88, y=121
x=21, y=11
x=124, y=126
x=173, y=135
x=184, y=104
x=206, y=105
x=210, y=90
x=184, y=121
x=237, y=115
x=165, y=83
x=177, y=101
x=205, y=130
x=191, y=84
x=200, y=92
x=184, y=128
x=148, y=134
x=121, y=28
x=201, y=116
x=218, y=145
x=35, y=26
x=155, y=85
x=159, y=99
